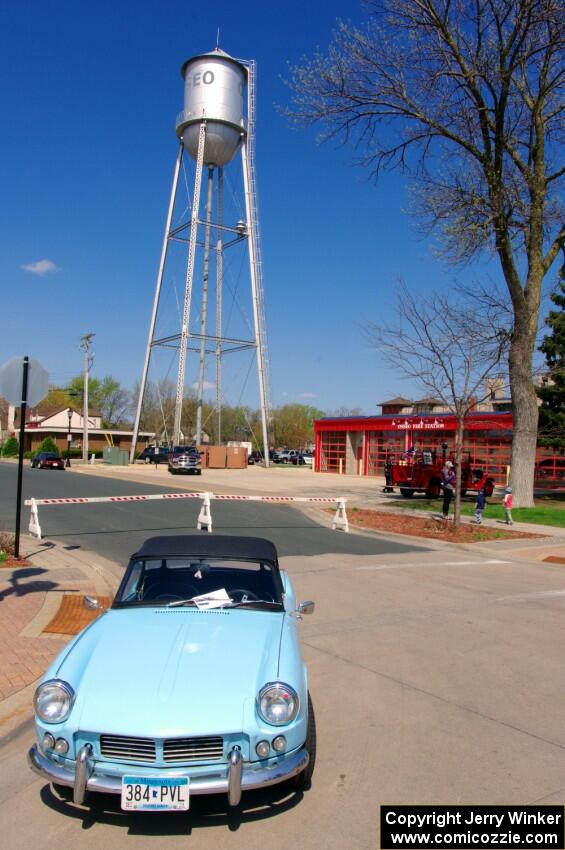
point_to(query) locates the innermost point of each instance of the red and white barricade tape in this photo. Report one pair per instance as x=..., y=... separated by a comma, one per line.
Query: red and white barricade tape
x=204, y=521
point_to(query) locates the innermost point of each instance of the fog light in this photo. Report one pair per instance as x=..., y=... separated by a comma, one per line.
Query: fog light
x=262, y=749
x=48, y=741
x=279, y=743
x=61, y=746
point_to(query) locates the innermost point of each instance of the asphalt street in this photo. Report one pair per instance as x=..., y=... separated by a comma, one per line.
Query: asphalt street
x=116, y=530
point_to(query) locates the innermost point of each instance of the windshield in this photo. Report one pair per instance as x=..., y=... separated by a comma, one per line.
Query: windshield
x=202, y=583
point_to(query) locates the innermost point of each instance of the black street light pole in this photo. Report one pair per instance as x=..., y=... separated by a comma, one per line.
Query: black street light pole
x=23, y=407
x=70, y=416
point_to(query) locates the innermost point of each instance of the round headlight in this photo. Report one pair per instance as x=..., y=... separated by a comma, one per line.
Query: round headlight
x=48, y=741
x=263, y=749
x=61, y=746
x=53, y=701
x=279, y=743
x=278, y=703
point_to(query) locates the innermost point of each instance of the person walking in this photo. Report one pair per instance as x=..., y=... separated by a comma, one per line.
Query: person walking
x=480, y=506
x=448, y=484
x=508, y=505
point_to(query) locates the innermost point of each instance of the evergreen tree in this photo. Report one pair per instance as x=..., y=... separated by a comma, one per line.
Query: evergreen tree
x=11, y=447
x=552, y=393
x=48, y=445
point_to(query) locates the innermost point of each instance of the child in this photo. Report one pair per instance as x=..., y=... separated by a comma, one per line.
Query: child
x=480, y=506
x=508, y=505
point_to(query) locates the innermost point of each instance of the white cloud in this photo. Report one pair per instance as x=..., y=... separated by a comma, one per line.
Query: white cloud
x=307, y=395
x=41, y=267
x=207, y=385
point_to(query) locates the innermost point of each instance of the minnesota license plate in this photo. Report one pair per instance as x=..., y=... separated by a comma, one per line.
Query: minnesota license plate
x=150, y=794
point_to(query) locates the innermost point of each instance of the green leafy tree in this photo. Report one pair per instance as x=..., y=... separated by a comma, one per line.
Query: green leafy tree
x=552, y=392
x=466, y=98
x=11, y=447
x=105, y=394
x=58, y=397
x=294, y=426
x=48, y=445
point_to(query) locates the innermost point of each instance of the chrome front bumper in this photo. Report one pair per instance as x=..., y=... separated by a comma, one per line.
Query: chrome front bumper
x=230, y=780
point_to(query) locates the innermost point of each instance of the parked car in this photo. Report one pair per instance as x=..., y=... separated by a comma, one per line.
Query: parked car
x=259, y=456
x=302, y=459
x=184, y=459
x=287, y=456
x=155, y=454
x=155, y=702
x=47, y=460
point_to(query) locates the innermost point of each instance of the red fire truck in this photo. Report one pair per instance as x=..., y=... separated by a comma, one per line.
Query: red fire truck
x=420, y=472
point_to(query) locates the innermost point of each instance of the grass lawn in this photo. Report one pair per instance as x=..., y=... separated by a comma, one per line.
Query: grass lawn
x=549, y=510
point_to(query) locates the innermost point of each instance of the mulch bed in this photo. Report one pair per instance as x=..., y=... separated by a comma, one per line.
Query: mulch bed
x=436, y=529
x=12, y=563
x=72, y=616
x=554, y=559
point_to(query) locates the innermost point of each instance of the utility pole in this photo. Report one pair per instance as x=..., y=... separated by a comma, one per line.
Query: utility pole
x=85, y=345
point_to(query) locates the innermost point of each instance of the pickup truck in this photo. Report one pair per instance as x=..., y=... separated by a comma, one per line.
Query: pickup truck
x=185, y=459
x=289, y=456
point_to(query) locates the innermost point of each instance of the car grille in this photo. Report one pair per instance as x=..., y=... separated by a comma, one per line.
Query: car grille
x=193, y=749
x=127, y=749
x=175, y=750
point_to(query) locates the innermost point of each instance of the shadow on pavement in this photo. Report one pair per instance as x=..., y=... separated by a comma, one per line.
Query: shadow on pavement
x=205, y=811
x=19, y=588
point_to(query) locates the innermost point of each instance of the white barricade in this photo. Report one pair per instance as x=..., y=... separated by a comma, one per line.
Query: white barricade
x=340, y=521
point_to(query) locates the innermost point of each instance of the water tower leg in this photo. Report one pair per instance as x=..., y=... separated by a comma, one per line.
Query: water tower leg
x=257, y=318
x=156, y=303
x=188, y=284
x=204, y=315
x=219, y=282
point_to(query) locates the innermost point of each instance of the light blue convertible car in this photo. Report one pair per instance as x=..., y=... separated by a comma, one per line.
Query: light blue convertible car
x=193, y=682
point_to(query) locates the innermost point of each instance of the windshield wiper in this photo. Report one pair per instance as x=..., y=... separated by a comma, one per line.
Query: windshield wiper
x=181, y=602
x=242, y=602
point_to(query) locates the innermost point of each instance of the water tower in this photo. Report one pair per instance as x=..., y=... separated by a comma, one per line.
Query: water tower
x=218, y=134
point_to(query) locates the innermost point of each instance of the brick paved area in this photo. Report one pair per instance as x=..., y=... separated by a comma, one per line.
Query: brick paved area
x=23, y=592
x=72, y=616
x=22, y=660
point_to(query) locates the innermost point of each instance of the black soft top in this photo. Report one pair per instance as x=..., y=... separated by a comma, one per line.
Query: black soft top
x=208, y=545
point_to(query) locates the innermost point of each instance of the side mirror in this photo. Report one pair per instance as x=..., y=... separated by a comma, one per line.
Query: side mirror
x=91, y=602
x=306, y=607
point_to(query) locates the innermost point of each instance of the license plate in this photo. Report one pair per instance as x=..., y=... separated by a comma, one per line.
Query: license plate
x=150, y=794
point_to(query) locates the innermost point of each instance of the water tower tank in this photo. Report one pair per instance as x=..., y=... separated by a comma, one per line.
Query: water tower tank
x=213, y=89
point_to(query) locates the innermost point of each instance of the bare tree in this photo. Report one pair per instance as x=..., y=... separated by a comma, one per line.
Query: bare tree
x=444, y=344
x=346, y=411
x=467, y=96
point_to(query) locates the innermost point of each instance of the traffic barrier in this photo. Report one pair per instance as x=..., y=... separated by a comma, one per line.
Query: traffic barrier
x=204, y=522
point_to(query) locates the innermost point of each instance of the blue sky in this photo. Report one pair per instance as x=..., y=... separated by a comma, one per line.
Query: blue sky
x=89, y=97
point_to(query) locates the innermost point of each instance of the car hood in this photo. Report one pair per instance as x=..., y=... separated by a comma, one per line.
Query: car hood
x=162, y=671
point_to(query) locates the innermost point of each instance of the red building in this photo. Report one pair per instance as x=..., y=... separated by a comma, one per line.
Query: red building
x=359, y=445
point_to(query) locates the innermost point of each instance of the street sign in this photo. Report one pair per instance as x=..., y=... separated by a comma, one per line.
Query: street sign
x=11, y=374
